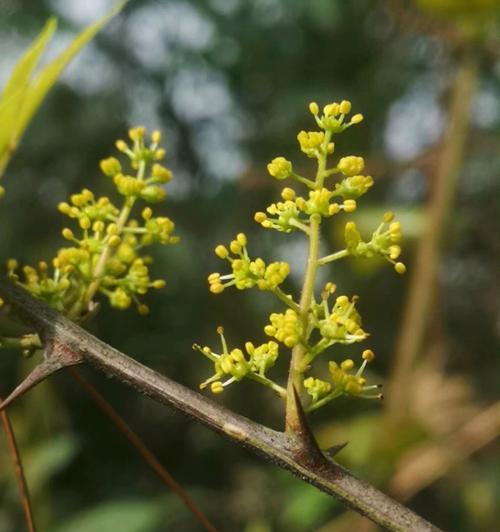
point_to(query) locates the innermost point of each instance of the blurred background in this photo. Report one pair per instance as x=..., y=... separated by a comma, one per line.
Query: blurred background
x=228, y=83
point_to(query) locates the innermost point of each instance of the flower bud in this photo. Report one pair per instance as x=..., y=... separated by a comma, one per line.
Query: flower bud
x=153, y=193
x=280, y=168
x=345, y=107
x=313, y=107
x=351, y=165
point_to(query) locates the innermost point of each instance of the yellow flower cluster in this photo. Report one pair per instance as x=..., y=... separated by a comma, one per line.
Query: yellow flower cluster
x=311, y=143
x=280, y=168
x=286, y=328
x=384, y=242
x=106, y=256
x=40, y=284
x=317, y=388
x=351, y=165
x=333, y=117
x=288, y=215
x=343, y=382
x=343, y=323
x=353, y=187
x=306, y=326
x=246, y=273
x=235, y=365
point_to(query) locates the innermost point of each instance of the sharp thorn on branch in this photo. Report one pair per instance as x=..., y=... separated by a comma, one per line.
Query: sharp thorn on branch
x=332, y=451
x=308, y=446
x=54, y=359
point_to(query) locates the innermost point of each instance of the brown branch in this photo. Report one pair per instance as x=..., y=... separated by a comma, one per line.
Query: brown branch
x=19, y=470
x=418, y=306
x=423, y=465
x=298, y=455
x=146, y=454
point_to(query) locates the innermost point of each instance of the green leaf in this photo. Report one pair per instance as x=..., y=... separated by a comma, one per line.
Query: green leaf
x=20, y=77
x=15, y=90
x=24, y=92
x=122, y=515
x=305, y=508
x=49, y=75
x=46, y=459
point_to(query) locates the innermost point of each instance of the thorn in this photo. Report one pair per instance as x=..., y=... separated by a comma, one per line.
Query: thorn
x=54, y=360
x=334, y=450
x=303, y=431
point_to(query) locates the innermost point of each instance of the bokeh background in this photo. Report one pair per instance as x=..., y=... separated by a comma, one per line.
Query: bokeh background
x=228, y=82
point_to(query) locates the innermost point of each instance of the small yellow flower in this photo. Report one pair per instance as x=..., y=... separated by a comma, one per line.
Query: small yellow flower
x=310, y=142
x=345, y=107
x=110, y=166
x=137, y=133
x=351, y=165
x=400, y=267
x=313, y=107
x=280, y=168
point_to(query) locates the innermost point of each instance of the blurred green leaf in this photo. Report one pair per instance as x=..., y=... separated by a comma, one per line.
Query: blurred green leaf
x=19, y=79
x=45, y=460
x=305, y=508
x=23, y=94
x=122, y=515
x=14, y=93
x=459, y=8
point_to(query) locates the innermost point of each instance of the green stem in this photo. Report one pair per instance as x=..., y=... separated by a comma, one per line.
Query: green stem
x=332, y=171
x=312, y=353
x=269, y=383
x=295, y=375
x=288, y=301
x=307, y=182
x=334, y=256
x=299, y=225
x=23, y=342
x=318, y=404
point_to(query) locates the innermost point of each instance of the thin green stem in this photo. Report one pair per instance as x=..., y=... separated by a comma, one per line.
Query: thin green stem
x=312, y=353
x=307, y=182
x=22, y=342
x=318, y=404
x=269, y=383
x=332, y=171
x=299, y=225
x=287, y=300
x=295, y=376
x=334, y=256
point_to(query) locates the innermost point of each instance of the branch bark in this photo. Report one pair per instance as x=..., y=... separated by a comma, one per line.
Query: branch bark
x=420, y=293
x=295, y=452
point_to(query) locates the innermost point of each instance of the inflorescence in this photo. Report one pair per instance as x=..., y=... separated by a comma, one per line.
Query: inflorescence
x=105, y=255
x=311, y=326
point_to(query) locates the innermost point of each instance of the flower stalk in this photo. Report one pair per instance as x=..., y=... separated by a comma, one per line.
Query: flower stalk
x=335, y=320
